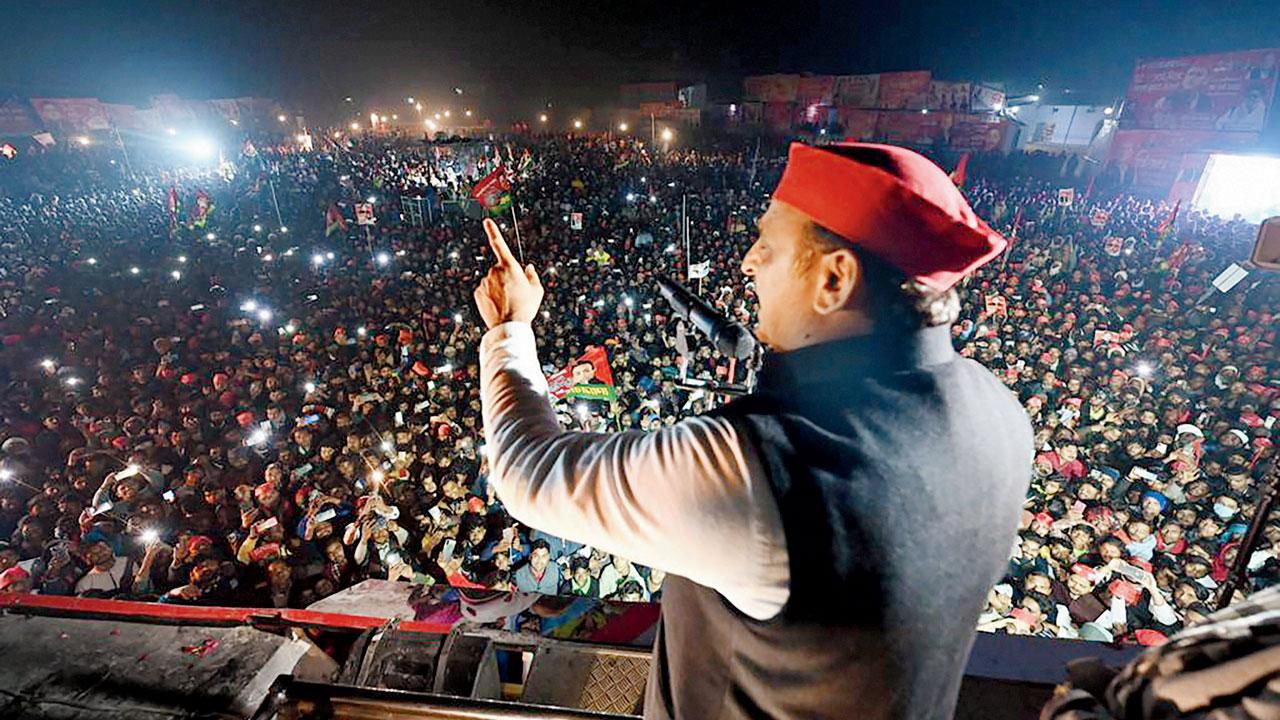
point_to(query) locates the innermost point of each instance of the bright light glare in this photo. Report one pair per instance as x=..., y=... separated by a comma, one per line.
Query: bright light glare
x=6, y=474
x=82, y=140
x=47, y=364
x=210, y=236
x=290, y=328
x=284, y=228
x=317, y=259
x=355, y=127
x=175, y=275
x=377, y=476
x=667, y=135
x=309, y=387
x=257, y=437
x=387, y=446
x=264, y=315
x=1143, y=369
x=542, y=117
x=383, y=258
x=361, y=331
x=171, y=131
x=135, y=270
x=149, y=537
x=1243, y=185
x=577, y=124
x=200, y=148
x=182, y=258
x=281, y=117
x=249, y=305
x=92, y=261
x=257, y=228
x=457, y=317
x=622, y=127
x=329, y=255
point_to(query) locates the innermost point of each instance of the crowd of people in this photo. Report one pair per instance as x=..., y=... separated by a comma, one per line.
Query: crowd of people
x=244, y=408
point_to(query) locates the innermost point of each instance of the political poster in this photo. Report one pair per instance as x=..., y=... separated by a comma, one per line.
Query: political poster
x=949, y=96
x=911, y=127
x=816, y=89
x=697, y=271
x=976, y=133
x=1100, y=218
x=1152, y=159
x=1113, y=245
x=771, y=88
x=1106, y=337
x=857, y=91
x=995, y=304
x=1230, y=92
x=1066, y=196
x=984, y=98
x=858, y=124
x=364, y=214
x=575, y=221
x=588, y=378
x=905, y=90
x=76, y=115
x=8, y=151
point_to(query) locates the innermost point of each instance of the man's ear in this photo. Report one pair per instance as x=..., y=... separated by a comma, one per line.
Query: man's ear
x=839, y=273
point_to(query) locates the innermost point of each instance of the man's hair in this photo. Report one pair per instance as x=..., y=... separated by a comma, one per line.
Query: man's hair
x=894, y=301
x=539, y=544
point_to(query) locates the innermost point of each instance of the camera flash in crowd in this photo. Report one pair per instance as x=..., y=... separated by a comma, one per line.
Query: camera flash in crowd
x=1143, y=369
x=6, y=474
x=264, y=315
x=309, y=387
x=92, y=261
x=47, y=364
x=387, y=446
x=134, y=270
x=257, y=228
x=175, y=275
x=382, y=258
x=182, y=258
x=361, y=331
x=149, y=537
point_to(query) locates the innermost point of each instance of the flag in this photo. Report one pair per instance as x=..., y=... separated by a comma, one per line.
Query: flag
x=333, y=220
x=175, y=207
x=1166, y=226
x=1089, y=190
x=200, y=213
x=45, y=139
x=493, y=192
x=588, y=378
x=1013, y=234
x=957, y=175
x=697, y=271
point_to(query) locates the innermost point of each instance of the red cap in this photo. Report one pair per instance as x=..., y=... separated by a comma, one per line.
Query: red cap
x=893, y=203
x=245, y=418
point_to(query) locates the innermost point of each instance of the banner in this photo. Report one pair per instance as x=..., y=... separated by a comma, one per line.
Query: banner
x=911, y=127
x=665, y=109
x=974, y=133
x=493, y=192
x=857, y=91
x=1113, y=245
x=816, y=90
x=697, y=271
x=17, y=118
x=950, y=96
x=71, y=114
x=1107, y=337
x=858, y=124
x=771, y=88
x=995, y=304
x=985, y=99
x=778, y=116
x=364, y=214
x=575, y=221
x=1231, y=92
x=1152, y=159
x=589, y=378
x=1100, y=218
x=1066, y=196
x=905, y=90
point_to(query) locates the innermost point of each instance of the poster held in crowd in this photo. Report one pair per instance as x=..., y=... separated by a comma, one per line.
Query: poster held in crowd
x=697, y=271
x=1066, y=196
x=364, y=214
x=587, y=378
x=1100, y=218
x=575, y=221
x=493, y=192
x=995, y=304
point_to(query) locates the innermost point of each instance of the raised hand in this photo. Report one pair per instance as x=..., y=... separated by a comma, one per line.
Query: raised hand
x=507, y=293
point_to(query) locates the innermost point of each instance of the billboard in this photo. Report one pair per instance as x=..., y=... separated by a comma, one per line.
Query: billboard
x=771, y=88
x=985, y=98
x=71, y=114
x=1231, y=92
x=16, y=118
x=858, y=91
x=912, y=128
x=949, y=96
x=905, y=90
x=816, y=89
x=859, y=124
x=1153, y=159
x=975, y=133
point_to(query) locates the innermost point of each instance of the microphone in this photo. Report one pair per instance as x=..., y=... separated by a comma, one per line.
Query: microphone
x=729, y=337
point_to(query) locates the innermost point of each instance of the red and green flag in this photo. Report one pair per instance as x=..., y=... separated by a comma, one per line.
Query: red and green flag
x=203, y=208
x=333, y=220
x=1166, y=226
x=493, y=192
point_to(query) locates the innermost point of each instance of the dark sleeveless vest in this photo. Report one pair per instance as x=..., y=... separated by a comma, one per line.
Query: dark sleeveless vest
x=899, y=469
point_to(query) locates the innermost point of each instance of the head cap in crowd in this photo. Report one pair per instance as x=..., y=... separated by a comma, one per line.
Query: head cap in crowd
x=892, y=203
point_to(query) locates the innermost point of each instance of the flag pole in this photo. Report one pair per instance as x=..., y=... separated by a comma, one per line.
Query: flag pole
x=516, y=222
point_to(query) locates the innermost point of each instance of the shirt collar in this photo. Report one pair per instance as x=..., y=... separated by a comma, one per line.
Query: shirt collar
x=849, y=359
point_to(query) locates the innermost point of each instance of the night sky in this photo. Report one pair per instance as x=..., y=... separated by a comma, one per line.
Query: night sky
x=520, y=55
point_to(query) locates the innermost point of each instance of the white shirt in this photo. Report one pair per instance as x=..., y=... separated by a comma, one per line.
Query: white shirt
x=105, y=580
x=691, y=499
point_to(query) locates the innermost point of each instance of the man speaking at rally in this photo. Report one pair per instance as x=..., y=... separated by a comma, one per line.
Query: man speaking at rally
x=816, y=567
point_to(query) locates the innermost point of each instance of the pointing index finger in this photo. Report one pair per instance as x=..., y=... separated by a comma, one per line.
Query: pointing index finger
x=496, y=243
